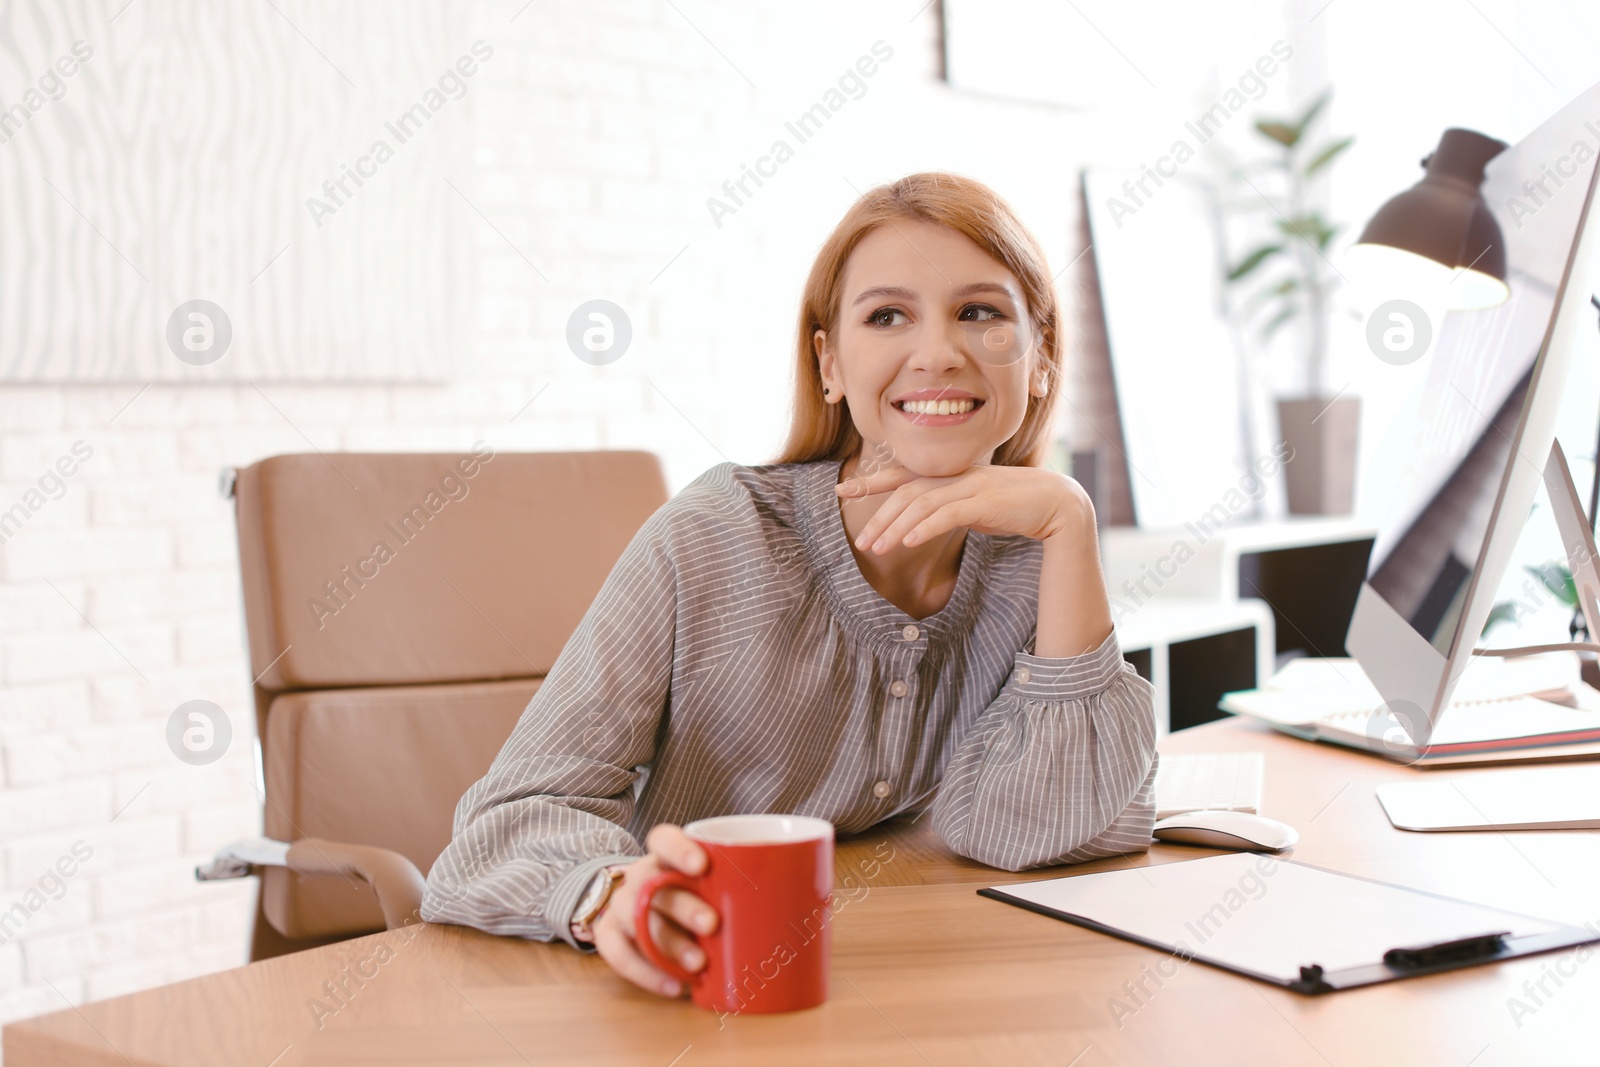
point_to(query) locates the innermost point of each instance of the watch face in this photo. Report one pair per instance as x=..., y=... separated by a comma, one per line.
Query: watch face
x=597, y=895
x=592, y=900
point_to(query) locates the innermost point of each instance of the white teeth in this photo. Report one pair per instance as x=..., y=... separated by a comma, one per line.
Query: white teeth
x=938, y=407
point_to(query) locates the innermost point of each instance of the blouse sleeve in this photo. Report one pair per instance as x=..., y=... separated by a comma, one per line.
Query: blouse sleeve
x=550, y=812
x=1059, y=769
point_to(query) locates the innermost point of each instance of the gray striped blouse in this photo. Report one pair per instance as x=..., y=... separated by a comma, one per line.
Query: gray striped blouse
x=736, y=660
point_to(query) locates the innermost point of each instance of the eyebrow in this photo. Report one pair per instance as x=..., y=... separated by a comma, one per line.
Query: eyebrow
x=897, y=292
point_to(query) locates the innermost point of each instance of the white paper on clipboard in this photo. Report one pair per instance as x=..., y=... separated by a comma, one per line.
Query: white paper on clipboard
x=1269, y=916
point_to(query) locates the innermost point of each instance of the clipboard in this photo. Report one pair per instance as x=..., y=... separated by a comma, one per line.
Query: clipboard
x=1293, y=924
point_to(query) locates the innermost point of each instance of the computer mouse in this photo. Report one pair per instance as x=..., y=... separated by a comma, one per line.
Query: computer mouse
x=1238, y=830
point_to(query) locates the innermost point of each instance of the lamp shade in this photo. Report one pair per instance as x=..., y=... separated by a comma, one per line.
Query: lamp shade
x=1440, y=233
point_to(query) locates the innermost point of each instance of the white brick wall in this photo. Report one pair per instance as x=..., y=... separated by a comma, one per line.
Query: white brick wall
x=598, y=132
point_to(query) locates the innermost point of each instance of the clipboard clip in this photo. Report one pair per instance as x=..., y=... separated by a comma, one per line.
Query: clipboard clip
x=1311, y=980
x=1461, y=950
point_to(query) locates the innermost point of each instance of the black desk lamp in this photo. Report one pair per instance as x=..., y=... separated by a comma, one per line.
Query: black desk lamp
x=1440, y=234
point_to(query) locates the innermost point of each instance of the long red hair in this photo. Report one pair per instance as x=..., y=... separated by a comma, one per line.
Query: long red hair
x=823, y=431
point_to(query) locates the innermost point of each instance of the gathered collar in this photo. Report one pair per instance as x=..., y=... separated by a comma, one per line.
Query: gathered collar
x=853, y=597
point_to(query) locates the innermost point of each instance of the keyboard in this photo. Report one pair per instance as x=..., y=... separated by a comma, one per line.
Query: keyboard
x=1209, y=781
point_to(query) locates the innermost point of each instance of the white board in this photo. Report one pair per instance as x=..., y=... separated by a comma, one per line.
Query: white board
x=1173, y=358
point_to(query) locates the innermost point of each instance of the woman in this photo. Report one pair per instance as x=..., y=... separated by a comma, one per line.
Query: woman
x=904, y=613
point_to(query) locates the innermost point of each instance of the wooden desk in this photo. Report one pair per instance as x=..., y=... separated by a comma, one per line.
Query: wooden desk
x=925, y=973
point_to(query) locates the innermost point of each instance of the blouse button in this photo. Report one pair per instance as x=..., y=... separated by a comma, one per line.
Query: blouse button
x=882, y=789
x=910, y=632
x=899, y=688
x=1024, y=676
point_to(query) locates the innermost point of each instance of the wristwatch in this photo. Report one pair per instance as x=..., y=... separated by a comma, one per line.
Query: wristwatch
x=594, y=901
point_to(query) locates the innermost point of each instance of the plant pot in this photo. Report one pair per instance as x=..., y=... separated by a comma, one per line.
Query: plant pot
x=1320, y=471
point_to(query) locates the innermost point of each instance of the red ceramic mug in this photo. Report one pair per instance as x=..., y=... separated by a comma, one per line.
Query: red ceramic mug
x=770, y=878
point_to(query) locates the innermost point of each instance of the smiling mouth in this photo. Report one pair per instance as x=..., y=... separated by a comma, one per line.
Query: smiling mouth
x=963, y=406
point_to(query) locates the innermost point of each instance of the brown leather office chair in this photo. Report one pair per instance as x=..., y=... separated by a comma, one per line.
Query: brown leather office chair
x=401, y=610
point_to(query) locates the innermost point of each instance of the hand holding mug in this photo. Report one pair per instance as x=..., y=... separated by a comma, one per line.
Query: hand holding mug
x=770, y=879
x=674, y=913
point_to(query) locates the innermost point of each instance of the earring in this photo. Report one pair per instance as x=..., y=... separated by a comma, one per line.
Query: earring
x=825, y=392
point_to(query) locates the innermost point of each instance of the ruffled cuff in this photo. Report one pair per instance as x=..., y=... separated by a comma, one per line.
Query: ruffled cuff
x=1064, y=678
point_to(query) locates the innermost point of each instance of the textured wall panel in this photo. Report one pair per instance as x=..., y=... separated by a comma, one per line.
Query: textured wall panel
x=175, y=163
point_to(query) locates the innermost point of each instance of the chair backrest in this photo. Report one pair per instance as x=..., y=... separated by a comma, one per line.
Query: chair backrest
x=401, y=610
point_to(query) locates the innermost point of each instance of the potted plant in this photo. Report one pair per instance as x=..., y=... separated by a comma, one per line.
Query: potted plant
x=1291, y=279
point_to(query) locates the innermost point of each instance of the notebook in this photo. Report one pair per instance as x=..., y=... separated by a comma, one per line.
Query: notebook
x=1526, y=707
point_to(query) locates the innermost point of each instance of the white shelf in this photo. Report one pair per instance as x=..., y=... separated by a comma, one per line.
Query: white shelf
x=1194, y=562
x=1160, y=624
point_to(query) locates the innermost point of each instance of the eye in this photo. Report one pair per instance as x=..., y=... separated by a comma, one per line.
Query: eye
x=993, y=313
x=876, y=318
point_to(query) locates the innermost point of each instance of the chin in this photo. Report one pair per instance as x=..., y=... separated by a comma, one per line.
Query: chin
x=939, y=466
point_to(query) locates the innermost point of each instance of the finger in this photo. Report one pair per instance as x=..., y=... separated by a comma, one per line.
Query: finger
x=687, y=909
x=871, y=483
x=676, y=943
x=913, y=514
x=943, y=519
x=890, y=510
x=617, y=949
x=673, y=848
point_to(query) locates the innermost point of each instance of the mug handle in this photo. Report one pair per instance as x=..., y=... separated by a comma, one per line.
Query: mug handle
x=641, y=921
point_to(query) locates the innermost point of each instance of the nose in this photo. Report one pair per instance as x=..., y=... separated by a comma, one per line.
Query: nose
x=940, y=349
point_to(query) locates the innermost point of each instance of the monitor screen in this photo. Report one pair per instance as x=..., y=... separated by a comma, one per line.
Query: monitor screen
x=1431, y=485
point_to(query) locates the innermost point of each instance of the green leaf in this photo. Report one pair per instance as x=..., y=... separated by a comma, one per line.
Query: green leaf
x=1283, y=133
x=1253, y=260
x=1308, y=226
x=1505, y=611
x=1265, y=295
x=1328, y=154
x=1558, y=579
x=1285, y=313
x=1310, y=113
x=1294, y=227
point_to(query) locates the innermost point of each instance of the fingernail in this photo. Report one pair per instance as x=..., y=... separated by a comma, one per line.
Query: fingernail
x=703, y=924
x=671, y=989
x=880, y=544
x=692, y=958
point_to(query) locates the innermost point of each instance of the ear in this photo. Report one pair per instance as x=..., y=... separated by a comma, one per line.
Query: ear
x=827, y=367
x=1039, y=385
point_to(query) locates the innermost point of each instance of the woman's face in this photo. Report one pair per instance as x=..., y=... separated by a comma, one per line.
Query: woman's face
x=934, y=349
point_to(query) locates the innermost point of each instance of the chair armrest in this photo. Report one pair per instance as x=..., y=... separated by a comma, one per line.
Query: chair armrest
x=394, y=878
x=241, y=857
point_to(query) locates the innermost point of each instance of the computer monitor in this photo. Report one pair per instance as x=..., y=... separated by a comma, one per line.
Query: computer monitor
x=1455, y=475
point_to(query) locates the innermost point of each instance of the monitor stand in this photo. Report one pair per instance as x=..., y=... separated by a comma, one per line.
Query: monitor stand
x=1577, y=535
